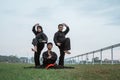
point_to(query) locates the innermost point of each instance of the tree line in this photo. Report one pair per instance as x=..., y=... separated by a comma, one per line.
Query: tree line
x=15, y=59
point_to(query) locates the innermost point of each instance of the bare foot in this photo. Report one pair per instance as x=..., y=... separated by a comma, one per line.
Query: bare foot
x=33, y=50
x=67, y=52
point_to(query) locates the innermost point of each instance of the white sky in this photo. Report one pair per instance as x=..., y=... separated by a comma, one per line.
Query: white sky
x=94, y=24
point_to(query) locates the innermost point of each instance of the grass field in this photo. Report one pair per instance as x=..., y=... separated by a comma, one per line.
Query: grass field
x=10, y=71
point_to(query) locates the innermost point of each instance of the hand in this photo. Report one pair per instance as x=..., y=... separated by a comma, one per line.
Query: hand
x=64, y=24
x=43, y=41
x=37, y=24
x=59, y=44
x=49, y=56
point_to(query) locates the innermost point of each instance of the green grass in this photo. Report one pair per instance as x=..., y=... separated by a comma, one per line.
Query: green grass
x=9, y=71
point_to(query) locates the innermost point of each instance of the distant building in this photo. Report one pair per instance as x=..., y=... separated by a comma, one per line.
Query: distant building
x=109, y=61
x=23, y=59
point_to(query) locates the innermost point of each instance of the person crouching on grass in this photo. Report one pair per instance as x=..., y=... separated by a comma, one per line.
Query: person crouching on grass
x=49, y=57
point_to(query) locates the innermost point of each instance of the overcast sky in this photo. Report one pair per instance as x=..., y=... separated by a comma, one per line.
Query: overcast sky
x=94, y=24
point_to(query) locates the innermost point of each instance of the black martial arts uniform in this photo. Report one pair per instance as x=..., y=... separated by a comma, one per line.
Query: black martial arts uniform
x=51, y=60
x=37, y=41
x=59, y=37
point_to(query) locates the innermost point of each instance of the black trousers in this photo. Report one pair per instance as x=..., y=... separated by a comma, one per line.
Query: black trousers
x=64, y=46
x=40, y=47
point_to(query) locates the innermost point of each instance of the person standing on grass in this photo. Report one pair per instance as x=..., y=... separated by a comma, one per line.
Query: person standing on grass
x=38, y=42
x=49, y=57
x=62, y=42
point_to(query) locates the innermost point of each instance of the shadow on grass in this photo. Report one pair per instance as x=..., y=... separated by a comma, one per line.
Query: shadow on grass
x=53, y=67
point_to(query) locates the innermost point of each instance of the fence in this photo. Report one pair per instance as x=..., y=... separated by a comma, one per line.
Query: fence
x=94, y=60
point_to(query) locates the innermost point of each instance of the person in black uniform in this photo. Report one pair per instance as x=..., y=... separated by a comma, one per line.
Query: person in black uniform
x=49, y=57
x=38, y=42
x=62, y=42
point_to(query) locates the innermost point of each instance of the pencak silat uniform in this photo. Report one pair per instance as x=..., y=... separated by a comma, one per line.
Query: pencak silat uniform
x=39, y=38
x=40, y=45
x=59, y=37
x=47, y=61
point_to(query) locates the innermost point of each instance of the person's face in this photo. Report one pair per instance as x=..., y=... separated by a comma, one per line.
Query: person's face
x=39, y=29
x=60, y=28
x=49, y=47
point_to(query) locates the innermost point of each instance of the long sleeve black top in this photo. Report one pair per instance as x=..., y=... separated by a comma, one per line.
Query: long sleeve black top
x=60, y=35
x=40, y=35
x=53, y=56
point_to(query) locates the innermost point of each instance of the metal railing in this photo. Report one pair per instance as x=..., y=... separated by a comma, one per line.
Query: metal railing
x=76, y=59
